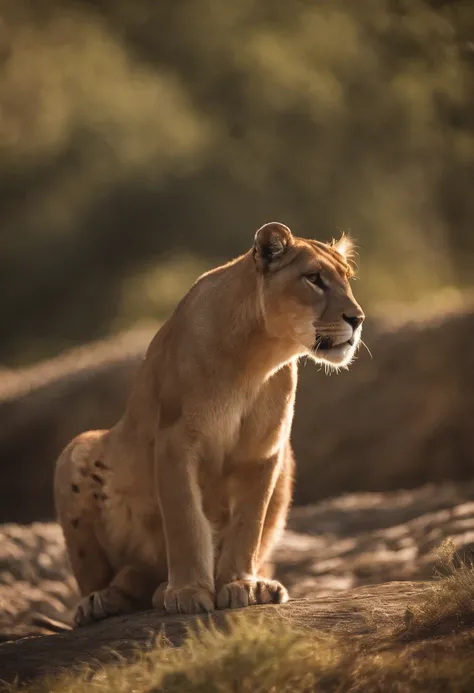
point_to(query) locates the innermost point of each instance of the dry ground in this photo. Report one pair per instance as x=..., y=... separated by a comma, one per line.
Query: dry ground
x=389, y=637
x=332, y=546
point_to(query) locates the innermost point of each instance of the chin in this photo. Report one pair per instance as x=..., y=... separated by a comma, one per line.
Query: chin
x=338, y=356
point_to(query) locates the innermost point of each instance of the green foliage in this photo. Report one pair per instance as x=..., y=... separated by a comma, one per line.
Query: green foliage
x=133, y=129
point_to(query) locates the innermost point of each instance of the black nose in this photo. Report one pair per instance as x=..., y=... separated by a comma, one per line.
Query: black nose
x=354, y=320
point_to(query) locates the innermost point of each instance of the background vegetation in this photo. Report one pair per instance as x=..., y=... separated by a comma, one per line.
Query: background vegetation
x=141, y=142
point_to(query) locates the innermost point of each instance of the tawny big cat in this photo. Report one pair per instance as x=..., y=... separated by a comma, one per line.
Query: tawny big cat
x=180, y=503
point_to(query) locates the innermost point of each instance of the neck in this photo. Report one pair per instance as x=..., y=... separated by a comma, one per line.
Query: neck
x=239, y=314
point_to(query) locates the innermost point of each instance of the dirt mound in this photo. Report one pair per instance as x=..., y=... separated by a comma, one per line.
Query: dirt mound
x=395, y=421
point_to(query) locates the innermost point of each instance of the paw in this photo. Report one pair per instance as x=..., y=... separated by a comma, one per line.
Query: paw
x=90, y=609
x=259, y=590
x=188, y=600
x=100, y=605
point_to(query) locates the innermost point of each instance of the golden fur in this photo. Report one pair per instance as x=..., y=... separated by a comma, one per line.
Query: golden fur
x=181, y=502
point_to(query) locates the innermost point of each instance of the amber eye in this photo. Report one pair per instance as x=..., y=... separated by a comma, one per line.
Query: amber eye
x=317, y=280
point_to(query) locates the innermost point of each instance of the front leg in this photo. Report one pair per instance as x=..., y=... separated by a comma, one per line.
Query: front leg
x=237, y=581
x=188, y=533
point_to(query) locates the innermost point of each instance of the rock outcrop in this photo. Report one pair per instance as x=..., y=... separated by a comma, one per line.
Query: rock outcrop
x=348, y=612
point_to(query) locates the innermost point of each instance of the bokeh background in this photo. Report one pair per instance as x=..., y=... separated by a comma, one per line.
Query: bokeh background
x=143, y=142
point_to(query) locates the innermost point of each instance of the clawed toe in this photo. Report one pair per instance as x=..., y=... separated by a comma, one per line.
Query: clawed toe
x=101, y=605
x=241, y=593
x=188, y=600
x=89, y=610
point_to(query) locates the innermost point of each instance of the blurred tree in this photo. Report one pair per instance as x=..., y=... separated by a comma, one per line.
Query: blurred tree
x=129, y=130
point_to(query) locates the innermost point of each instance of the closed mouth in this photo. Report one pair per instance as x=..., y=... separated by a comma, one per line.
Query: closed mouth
x=326, y=344
x=323, y=343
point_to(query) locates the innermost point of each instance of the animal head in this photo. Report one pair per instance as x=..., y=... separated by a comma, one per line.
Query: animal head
x=306, y=294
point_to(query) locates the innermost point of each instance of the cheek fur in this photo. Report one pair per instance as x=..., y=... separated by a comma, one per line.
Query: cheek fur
x=301, y=320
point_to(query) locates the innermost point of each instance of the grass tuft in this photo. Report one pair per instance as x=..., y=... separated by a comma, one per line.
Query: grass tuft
x=263, y=656
x=251, y=657
x=449, y=604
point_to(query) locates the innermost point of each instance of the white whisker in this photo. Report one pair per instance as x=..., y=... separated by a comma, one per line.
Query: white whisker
x=366, y=347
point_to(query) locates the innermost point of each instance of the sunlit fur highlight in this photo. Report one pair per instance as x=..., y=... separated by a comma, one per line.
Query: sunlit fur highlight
x=345, y=246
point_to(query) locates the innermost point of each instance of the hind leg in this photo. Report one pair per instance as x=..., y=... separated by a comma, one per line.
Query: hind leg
x=106, y=592
x=78, y=514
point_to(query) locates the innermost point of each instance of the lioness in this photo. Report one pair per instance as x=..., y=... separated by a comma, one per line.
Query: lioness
x=180, y=503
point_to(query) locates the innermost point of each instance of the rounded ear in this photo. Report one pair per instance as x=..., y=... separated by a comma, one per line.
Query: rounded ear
x=272, y=240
